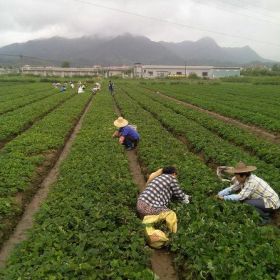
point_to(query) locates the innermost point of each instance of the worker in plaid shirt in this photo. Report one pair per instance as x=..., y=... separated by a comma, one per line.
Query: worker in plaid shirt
x=253, y=191
x=159, y=191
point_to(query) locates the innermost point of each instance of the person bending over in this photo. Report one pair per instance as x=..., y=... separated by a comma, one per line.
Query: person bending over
x=159, y=192
x=127, y=134
x=253, y=191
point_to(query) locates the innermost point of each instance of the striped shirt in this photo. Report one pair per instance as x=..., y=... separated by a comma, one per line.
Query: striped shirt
x=159, y=191
x=255, y=188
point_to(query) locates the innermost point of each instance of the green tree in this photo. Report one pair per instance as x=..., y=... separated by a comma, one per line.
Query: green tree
x=276, y=67
x=193, y=76
x=65, y=64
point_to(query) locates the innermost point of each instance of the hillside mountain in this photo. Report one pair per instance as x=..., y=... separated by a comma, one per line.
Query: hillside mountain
x=125, y=49
x=207, y=52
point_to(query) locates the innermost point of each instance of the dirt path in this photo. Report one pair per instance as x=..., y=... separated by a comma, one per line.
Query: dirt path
x=135, y=170
x=26, y=221
x=161, y=260
x=256, y=130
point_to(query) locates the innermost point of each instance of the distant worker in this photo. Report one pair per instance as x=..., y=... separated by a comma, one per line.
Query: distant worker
x=57, y=85
x=160, y=190
x=111, y=87
x=98, y=86
x=94, y=90
x=127, y=134
x=80, y=90
x=72, y=85
x=62, y=88
x=253, y=191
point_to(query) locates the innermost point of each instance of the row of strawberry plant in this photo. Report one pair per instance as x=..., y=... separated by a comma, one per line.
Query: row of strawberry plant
x=215, y=149
x=14, y=122
x=245, y=115
x=15, y=101
x=23, y=160
x=233, y=93
x=215, y=240
x=265, y=150
x=263, y=105
x=16, y=90
x=87, y=228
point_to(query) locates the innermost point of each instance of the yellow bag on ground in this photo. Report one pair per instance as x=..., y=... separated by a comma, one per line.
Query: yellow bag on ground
x=155, y=237
x=154, y=175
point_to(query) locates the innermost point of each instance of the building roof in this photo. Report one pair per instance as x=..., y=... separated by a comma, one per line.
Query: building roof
x=145, y=66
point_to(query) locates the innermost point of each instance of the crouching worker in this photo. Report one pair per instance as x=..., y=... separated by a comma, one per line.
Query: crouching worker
x=127, y=134
x=253, y=191
x=159, y=191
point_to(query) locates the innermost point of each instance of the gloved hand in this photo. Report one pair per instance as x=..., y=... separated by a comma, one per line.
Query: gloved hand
x=186, y=199
x=232, y=197
x=225, y=191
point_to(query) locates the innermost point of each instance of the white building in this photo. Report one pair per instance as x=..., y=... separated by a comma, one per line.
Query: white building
x=75, y=71
x=138, y=71
x=159, y=71
x=4, y=71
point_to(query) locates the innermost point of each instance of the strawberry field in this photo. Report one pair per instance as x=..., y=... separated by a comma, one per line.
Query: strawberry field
x=250, y=103
x=88, y=227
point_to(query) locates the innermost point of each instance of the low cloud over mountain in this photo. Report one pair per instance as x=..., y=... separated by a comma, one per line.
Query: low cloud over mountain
x=125, y=49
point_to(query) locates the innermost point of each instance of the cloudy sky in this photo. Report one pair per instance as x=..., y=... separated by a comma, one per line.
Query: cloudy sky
x=232, y=23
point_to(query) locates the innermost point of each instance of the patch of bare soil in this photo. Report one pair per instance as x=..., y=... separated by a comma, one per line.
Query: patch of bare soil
x=135, y=170
x=161, y=265
x=256, y=130
x=26, y=221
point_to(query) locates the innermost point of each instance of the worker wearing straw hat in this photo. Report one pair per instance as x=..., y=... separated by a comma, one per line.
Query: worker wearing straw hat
x=253, y=191
x=127, y=134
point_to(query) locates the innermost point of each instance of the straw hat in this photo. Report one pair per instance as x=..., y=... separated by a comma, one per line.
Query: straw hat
x=120, y=122
x=241, y=167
